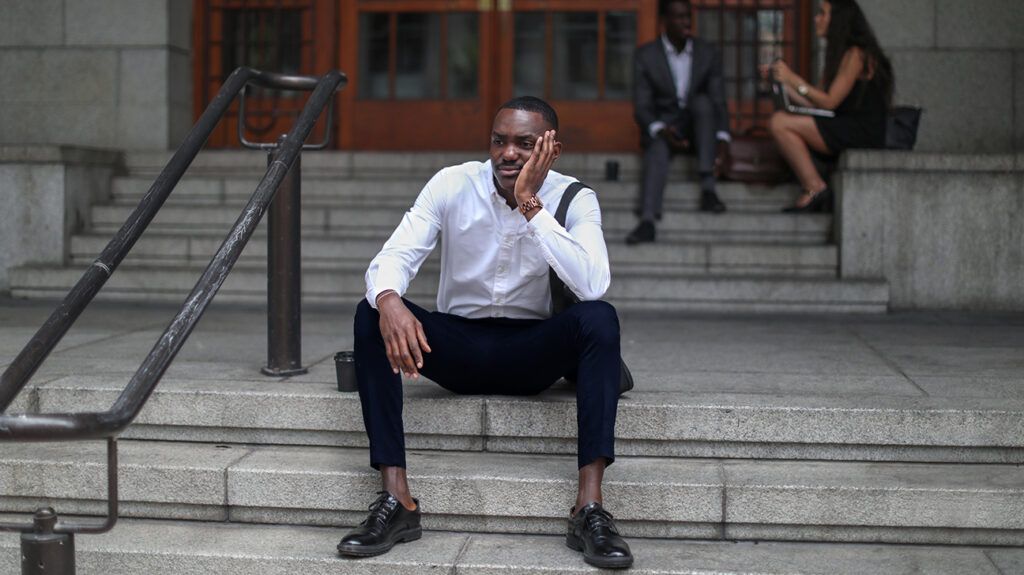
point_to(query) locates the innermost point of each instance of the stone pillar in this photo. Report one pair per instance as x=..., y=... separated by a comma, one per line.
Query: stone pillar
x=943, y=230
x=97, y=73
x=46, y=192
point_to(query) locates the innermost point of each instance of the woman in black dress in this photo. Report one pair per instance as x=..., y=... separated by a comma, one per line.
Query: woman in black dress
x=857, y=83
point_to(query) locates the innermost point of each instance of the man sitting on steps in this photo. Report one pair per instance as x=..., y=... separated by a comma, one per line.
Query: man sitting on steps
x=679, y=105
x=493, y=332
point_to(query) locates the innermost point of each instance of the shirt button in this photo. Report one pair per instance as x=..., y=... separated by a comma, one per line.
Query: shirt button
x=501, y=269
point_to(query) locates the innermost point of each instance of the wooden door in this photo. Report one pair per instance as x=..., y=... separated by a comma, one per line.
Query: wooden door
x=429, y=74
x=421, y=74
x=577, y=54
x=750, y=34
x=284, y=36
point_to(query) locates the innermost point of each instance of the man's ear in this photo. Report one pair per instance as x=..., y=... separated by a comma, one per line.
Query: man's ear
x=558, y=149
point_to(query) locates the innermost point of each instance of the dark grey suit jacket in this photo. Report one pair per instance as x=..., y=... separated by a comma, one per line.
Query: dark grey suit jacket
x=654, y=91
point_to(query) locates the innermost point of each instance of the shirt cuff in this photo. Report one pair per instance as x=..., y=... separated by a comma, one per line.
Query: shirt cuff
x=723, y=135
x=655, y=127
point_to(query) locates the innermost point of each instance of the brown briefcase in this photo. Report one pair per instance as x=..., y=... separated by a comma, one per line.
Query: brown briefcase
x=755, y=159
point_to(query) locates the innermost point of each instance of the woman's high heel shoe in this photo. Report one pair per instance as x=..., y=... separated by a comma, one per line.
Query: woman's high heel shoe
x=819, y=202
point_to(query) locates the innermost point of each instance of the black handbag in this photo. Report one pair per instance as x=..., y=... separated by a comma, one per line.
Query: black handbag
x=901, y=127
x=562, y=297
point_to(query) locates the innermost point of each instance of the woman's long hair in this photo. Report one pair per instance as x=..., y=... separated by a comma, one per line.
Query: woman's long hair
x=847, y=28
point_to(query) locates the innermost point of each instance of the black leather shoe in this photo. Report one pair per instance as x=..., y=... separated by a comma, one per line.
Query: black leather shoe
x=592, y=531
x=389, y=522
x=642, y=234
x=709, y=202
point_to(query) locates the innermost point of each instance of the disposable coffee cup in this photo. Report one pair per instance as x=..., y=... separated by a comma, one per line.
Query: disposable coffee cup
x=611, y=171
x=345, y=365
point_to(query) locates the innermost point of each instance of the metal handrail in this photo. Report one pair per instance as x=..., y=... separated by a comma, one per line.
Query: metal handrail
x=108, y=424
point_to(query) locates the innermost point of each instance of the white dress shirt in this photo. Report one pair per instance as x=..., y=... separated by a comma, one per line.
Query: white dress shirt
x=681, y=65
x=494, y=263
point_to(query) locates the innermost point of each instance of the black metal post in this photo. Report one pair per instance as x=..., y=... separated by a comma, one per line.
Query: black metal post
x=44, y=552
x=284, y=274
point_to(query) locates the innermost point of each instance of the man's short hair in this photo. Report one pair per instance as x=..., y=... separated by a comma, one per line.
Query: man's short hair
x=664, y=4
x=533, y=104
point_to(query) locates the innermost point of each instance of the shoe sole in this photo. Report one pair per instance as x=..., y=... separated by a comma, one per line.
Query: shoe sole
x=574, y=543
x=365, y=551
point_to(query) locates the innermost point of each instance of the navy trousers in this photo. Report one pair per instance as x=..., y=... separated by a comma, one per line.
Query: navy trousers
x=496, y=357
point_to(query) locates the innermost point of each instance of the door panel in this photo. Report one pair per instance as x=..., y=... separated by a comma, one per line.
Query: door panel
x=286, y=36
x=422, y=80
x=429, y=74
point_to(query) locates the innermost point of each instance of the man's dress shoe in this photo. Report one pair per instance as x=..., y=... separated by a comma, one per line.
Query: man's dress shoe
x=709, y=202
x=641, y=234
x=592, y=531
x=389, y=522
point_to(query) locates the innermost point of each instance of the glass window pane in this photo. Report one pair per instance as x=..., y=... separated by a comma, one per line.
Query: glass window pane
x=463, y=55
x=264, y=39
x=708, y=24
x=574, y=74
x=529, y=54
x=418, y=61
x=620, y=43
x=373, y=55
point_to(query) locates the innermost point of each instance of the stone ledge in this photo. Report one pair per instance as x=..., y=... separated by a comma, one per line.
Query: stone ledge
x=171, y=548
x=900, y=161
x=43, y=154
x=653, y=497
x=658, y=423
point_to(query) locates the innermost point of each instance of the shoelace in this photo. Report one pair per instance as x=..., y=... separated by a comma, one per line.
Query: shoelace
x=599, y=518
x=380, y=509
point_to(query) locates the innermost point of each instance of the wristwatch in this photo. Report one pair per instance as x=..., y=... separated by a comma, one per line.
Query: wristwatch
x=533, y=202
x=802, y=89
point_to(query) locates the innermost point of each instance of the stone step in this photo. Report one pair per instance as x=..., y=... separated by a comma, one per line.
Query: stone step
x=334, y=192
x=388, y=165
x=319, y=251
x=731, y=227
x=509, y=493
x=719, y=415
x=344, y=284
x=177, y=547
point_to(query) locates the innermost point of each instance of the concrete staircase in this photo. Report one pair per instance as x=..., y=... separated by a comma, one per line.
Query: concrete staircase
x=226, y=471
x=752, y=258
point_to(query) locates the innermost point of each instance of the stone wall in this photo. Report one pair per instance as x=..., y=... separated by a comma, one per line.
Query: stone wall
x=99, y=73
x=944, y=230
x=47, y=193
x=963, y=61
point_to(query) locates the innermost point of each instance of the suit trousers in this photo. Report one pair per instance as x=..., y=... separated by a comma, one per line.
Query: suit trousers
x=496, y=356
x=697, y=123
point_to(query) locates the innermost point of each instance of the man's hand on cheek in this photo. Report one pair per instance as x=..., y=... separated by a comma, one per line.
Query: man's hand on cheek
x=535, y=171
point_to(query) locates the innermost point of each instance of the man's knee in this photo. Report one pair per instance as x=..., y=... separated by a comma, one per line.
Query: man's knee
x=597, y=320
x=656, y=148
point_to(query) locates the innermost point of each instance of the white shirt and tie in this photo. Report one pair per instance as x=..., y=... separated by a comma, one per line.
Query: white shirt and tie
x=681, y=65
x=494, y=263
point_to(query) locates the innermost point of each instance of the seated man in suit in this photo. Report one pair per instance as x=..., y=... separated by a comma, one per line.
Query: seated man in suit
x=679, y=104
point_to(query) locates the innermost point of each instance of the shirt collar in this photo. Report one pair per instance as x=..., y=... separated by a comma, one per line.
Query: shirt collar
x=671, y=49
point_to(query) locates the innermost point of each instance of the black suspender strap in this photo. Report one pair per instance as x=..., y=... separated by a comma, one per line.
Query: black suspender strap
x=561, y=297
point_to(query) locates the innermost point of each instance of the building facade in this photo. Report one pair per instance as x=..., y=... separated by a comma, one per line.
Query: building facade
x=427, y=74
